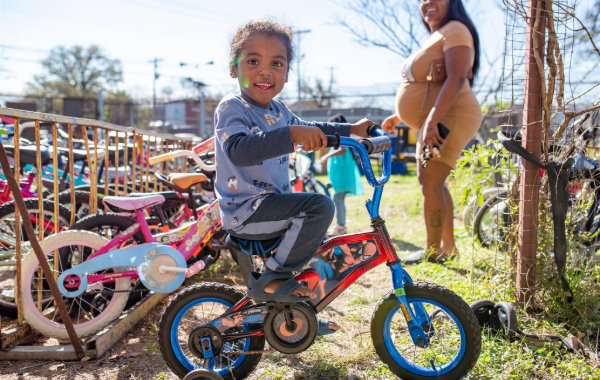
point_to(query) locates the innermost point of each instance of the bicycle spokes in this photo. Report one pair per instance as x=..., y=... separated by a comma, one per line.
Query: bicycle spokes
x=444, y=336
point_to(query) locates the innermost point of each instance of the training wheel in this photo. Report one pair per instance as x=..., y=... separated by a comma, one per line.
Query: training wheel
x=483, y=310
x=294, y=337
x=505, y=319
x=155, y=278
x=202, y=374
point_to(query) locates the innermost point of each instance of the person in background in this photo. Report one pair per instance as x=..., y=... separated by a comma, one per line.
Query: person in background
x=436, y=88
x=344, y=177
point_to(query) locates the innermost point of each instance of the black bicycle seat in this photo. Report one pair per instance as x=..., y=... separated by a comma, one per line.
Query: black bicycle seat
x=78, y=154
x=28, y=154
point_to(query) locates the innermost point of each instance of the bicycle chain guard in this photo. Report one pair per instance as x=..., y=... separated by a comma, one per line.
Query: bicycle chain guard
x=145, y=258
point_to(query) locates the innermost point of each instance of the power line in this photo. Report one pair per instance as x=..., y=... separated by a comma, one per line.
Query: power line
x=13, y=47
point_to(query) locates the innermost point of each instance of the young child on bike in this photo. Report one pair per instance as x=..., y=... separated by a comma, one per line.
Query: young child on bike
x=255, y=134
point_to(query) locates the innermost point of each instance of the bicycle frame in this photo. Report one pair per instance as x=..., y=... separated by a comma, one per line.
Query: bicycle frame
x=362, y=263
x=188, y=240
x=24, y=187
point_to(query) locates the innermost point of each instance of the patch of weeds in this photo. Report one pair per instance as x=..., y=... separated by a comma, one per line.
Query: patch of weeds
x=322, y=371
x=280, y=372
x=154, y=327
x=381, y=371
x=358, y=301
x=151, y=348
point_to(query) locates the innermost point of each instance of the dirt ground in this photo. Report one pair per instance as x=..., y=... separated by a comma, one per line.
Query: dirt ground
x=137, y=355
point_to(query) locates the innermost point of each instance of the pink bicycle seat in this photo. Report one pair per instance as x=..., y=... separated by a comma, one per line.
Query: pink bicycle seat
x=132, y=204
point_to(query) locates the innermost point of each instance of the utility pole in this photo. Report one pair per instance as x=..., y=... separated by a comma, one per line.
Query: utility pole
x=299, y=34
x=155, y=62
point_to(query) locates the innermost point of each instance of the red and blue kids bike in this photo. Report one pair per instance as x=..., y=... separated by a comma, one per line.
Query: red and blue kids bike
x=420, y=330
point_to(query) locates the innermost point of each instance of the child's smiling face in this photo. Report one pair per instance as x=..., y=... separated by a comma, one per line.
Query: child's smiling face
x=261, y=68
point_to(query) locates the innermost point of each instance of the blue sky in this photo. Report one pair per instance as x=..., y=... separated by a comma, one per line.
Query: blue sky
x=198, y=31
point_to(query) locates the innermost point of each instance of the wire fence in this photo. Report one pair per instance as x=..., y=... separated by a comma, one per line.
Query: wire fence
x=545, y=105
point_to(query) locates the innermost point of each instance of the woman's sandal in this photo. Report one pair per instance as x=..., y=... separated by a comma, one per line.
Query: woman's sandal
x=440, y=259
x=258, y=282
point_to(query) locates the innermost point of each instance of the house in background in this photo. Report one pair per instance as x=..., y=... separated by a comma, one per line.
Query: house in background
x=182, y=116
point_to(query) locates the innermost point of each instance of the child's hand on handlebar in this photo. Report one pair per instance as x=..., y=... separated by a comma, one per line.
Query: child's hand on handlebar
x=360, y=127
x=311, y=138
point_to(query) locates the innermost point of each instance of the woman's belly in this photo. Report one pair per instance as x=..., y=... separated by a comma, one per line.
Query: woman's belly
x=410, y=105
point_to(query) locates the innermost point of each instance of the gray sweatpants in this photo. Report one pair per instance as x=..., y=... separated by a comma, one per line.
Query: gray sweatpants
x=302, y=219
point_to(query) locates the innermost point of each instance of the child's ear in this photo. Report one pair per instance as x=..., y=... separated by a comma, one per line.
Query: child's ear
x=232, y=71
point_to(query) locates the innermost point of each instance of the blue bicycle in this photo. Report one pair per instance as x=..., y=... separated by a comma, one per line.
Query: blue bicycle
x=420, y=330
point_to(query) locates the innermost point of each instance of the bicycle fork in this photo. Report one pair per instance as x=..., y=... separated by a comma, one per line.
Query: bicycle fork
x=416, y=316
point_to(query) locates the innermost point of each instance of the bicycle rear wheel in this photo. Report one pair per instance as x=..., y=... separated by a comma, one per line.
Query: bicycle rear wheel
x=189, y=310
x=99, y=305
x=451, y=327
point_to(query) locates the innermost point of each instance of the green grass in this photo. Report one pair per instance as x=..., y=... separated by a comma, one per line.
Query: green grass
x=477, y=274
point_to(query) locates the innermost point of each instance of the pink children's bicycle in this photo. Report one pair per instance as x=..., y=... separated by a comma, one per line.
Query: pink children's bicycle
x=95, y=275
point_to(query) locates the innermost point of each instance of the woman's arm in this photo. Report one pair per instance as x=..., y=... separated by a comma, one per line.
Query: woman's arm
x=458, y=64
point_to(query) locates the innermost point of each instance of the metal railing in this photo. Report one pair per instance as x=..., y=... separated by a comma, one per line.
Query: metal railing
x=113, y=158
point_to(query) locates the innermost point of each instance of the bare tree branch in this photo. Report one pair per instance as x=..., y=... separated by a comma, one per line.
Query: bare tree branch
x=393, y=25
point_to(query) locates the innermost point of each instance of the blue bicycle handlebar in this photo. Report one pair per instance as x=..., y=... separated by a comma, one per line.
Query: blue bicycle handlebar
x=378, y=143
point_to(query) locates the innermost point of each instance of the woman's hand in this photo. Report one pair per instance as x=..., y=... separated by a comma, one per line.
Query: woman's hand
x=360, y=127
x=390, y=123
x=431, y=138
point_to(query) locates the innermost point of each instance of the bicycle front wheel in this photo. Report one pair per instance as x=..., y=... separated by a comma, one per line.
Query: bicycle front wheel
x=451, y=327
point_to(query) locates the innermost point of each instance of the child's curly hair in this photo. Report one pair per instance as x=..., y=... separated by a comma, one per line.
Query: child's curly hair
x=245, y=32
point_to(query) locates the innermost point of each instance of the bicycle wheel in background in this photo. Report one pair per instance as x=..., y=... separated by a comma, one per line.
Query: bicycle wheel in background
x=470, y=211
x=82, y=202
x=452, y=330
x=493, y=220
x=583, y=218
x=312, y=185
x=93, y=310
x=8, y=228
